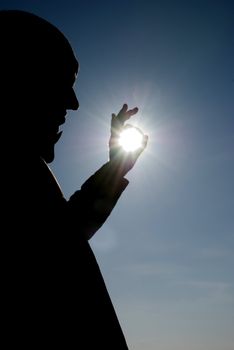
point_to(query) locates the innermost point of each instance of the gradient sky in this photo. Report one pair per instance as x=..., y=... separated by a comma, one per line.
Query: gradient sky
x=166, y=252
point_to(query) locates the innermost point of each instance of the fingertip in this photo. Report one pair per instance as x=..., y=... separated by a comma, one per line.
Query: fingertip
x=146, y=137
x=124, y=108
x=132, y=111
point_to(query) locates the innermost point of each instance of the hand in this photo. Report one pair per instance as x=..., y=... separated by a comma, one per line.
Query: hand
x=123, y=161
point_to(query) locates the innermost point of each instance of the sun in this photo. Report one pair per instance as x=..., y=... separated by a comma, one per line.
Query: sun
x=131, y=139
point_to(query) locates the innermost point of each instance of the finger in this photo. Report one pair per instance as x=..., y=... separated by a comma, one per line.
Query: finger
x=115, y=125
x=123, y=109
x=122, y=114
x=113, y=116
x=145, y=141
x=123, y=117
x=132, y=111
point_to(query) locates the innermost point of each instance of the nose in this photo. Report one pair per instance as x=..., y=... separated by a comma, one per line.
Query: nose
x=72, y=101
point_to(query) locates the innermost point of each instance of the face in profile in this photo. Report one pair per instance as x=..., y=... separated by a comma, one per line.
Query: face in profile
x=38, y=70
x=56, y=99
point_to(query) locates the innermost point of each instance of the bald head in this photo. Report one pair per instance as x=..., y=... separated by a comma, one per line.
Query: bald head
x=30, y=41
x=38, y=69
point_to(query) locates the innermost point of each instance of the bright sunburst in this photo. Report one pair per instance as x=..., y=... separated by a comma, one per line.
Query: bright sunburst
x=131, y=139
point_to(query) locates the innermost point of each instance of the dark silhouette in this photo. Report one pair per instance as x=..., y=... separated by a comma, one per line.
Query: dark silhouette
x=53, y=293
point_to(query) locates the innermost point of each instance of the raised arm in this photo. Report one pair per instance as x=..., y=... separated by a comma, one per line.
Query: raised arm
x=94, y=202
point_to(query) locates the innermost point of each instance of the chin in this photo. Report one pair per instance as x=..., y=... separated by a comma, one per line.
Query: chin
x=48, y=154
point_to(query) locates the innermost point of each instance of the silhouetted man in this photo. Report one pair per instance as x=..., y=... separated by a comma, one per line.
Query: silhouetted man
x=53, y=294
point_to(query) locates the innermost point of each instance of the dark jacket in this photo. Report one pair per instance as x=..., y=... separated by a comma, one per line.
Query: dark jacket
x=54, y=293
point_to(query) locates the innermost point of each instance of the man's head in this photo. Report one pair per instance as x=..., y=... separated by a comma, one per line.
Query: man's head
x=37, y=69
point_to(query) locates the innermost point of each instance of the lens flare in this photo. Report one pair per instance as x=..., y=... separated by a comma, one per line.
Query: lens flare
x=131, y=139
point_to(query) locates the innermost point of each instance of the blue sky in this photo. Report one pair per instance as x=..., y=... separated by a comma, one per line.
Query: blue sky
x=166, y=252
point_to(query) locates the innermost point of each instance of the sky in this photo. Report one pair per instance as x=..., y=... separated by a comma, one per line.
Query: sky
x=166, y=251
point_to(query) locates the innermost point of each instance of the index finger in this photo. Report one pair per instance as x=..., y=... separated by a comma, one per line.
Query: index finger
x=125, y=115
